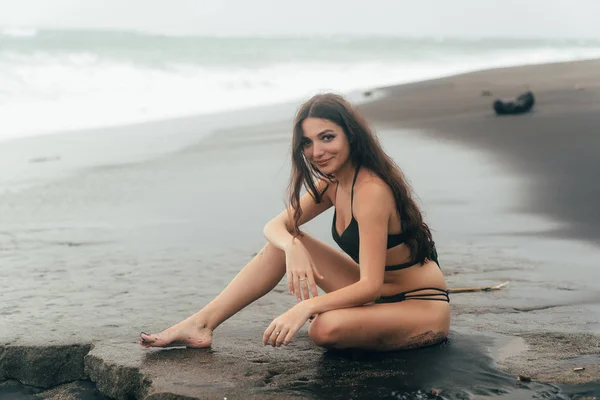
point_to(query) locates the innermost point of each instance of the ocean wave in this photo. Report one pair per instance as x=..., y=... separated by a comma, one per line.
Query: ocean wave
x=59, y=80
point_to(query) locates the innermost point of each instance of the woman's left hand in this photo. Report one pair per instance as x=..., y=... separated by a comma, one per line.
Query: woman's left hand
x=283, y=328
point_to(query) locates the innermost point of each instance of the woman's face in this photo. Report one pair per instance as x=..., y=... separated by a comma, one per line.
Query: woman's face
x=325, y=145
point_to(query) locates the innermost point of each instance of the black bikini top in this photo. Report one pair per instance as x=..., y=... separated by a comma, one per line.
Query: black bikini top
x=349, y=240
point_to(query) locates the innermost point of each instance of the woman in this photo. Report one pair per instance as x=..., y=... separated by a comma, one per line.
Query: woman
x=376, y=292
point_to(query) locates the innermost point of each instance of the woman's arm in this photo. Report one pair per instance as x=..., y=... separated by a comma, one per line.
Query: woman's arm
x=300, y=268
x=278, y=230
x=373, y=202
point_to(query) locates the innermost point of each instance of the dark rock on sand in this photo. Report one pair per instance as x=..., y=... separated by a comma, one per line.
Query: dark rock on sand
x=78, y=390
x=522, y=104
x=119, y=380
x=44, y=367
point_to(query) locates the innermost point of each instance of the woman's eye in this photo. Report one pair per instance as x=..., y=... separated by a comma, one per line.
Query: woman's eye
x=305, y=143
x=328, y=138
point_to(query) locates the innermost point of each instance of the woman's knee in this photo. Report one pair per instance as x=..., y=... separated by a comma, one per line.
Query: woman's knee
x=324, y=330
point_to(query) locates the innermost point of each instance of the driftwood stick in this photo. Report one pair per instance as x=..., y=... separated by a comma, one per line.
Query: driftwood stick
x=477, y=289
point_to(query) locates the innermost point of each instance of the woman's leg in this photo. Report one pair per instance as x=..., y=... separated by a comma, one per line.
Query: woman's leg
x=392, y=326
x=255, y=280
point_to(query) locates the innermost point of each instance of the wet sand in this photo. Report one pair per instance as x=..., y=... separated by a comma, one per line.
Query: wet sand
x=108, y=233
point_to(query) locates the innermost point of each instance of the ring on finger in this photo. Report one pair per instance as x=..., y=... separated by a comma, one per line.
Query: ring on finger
x=302, y=279
x=276, y=333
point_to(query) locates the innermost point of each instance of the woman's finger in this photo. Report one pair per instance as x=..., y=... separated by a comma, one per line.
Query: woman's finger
x=313, y=286
x=268, y=333
x=281, y=337
x=297, y=291
x=290, y=278
x=316, y=271
x=304, y=285
x=273, y=338
x=288, y=337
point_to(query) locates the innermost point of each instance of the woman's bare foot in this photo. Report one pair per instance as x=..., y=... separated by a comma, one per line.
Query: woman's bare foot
x=186, y=333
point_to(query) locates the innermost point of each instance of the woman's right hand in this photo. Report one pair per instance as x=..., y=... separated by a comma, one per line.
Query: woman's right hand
x=301, y=271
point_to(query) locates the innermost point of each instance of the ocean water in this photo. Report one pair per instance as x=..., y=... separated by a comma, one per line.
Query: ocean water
x=57, y=80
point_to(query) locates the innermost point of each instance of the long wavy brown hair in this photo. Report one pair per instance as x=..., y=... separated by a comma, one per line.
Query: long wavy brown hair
x=365, y=151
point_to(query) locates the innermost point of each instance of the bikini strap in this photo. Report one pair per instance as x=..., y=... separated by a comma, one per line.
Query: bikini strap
x=427, y=288
x=427, y=296
x=352, y=192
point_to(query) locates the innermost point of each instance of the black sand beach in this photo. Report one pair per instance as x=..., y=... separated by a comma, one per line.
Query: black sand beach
x=111, y=232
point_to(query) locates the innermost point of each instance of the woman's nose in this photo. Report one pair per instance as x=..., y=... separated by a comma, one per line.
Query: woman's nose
x=318, y=150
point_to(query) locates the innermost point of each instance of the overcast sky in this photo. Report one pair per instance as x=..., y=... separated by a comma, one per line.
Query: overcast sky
x=532, y=18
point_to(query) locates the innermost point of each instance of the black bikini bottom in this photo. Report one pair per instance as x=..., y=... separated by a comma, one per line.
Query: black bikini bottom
x=410, y=295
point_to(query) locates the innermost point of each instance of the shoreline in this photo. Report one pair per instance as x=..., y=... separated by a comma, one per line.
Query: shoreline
x=102, y=239
x=355, y=95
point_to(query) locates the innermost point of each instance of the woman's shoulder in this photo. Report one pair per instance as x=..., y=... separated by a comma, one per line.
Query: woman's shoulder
x=369, y=181
x=370, y=189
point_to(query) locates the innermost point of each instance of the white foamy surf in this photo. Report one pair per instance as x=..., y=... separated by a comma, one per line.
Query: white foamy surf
x=53, y=81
